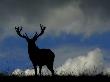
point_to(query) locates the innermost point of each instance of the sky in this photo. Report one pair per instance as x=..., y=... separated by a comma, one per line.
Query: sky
x=74, y=27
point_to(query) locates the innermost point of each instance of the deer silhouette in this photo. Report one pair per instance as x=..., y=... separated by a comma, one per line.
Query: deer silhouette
x=39, y=57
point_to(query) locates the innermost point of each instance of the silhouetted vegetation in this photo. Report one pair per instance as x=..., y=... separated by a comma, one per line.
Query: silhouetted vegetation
x=49, y=78
x=2, y=74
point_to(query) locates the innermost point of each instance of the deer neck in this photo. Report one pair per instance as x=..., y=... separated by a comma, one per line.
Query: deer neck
x=32, y=48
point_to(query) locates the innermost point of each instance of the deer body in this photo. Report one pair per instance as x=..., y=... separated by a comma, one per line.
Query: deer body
x=39, y=57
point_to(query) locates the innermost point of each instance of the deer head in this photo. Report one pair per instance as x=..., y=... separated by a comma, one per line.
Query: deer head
x=25, y=36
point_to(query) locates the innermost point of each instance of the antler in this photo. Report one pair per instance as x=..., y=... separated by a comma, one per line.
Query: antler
x=42, y=31
x=18, y=30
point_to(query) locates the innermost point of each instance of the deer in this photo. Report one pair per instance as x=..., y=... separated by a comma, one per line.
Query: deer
x=39, y=57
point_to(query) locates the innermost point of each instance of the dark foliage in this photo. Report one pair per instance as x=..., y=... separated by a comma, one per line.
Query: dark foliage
x=50, y=78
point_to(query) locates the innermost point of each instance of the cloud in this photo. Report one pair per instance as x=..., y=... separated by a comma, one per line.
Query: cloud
x=85, y=17
x=90, y=64
x=62, y=53
x=18, y=72
x=30, y=72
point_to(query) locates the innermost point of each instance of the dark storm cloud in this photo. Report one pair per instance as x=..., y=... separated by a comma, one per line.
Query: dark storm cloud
x=56, y=12
x=31, y=10
x=36, y=10
x=100, y=8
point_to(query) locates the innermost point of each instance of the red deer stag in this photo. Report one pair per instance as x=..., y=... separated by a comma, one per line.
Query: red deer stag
x=39, y=57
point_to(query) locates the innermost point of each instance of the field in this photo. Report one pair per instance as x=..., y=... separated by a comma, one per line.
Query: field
x=51, y=78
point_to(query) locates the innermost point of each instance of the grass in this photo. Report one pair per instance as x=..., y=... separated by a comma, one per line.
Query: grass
x=69, y=77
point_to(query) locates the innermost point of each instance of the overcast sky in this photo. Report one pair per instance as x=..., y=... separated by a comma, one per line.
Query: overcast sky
x=73, y=28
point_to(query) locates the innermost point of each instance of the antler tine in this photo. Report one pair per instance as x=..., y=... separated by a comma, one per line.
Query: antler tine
x=15, y=27
x=36, y=34
x=18, y=30
x=42, y=27
x=21, y=28
x=26, y=35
